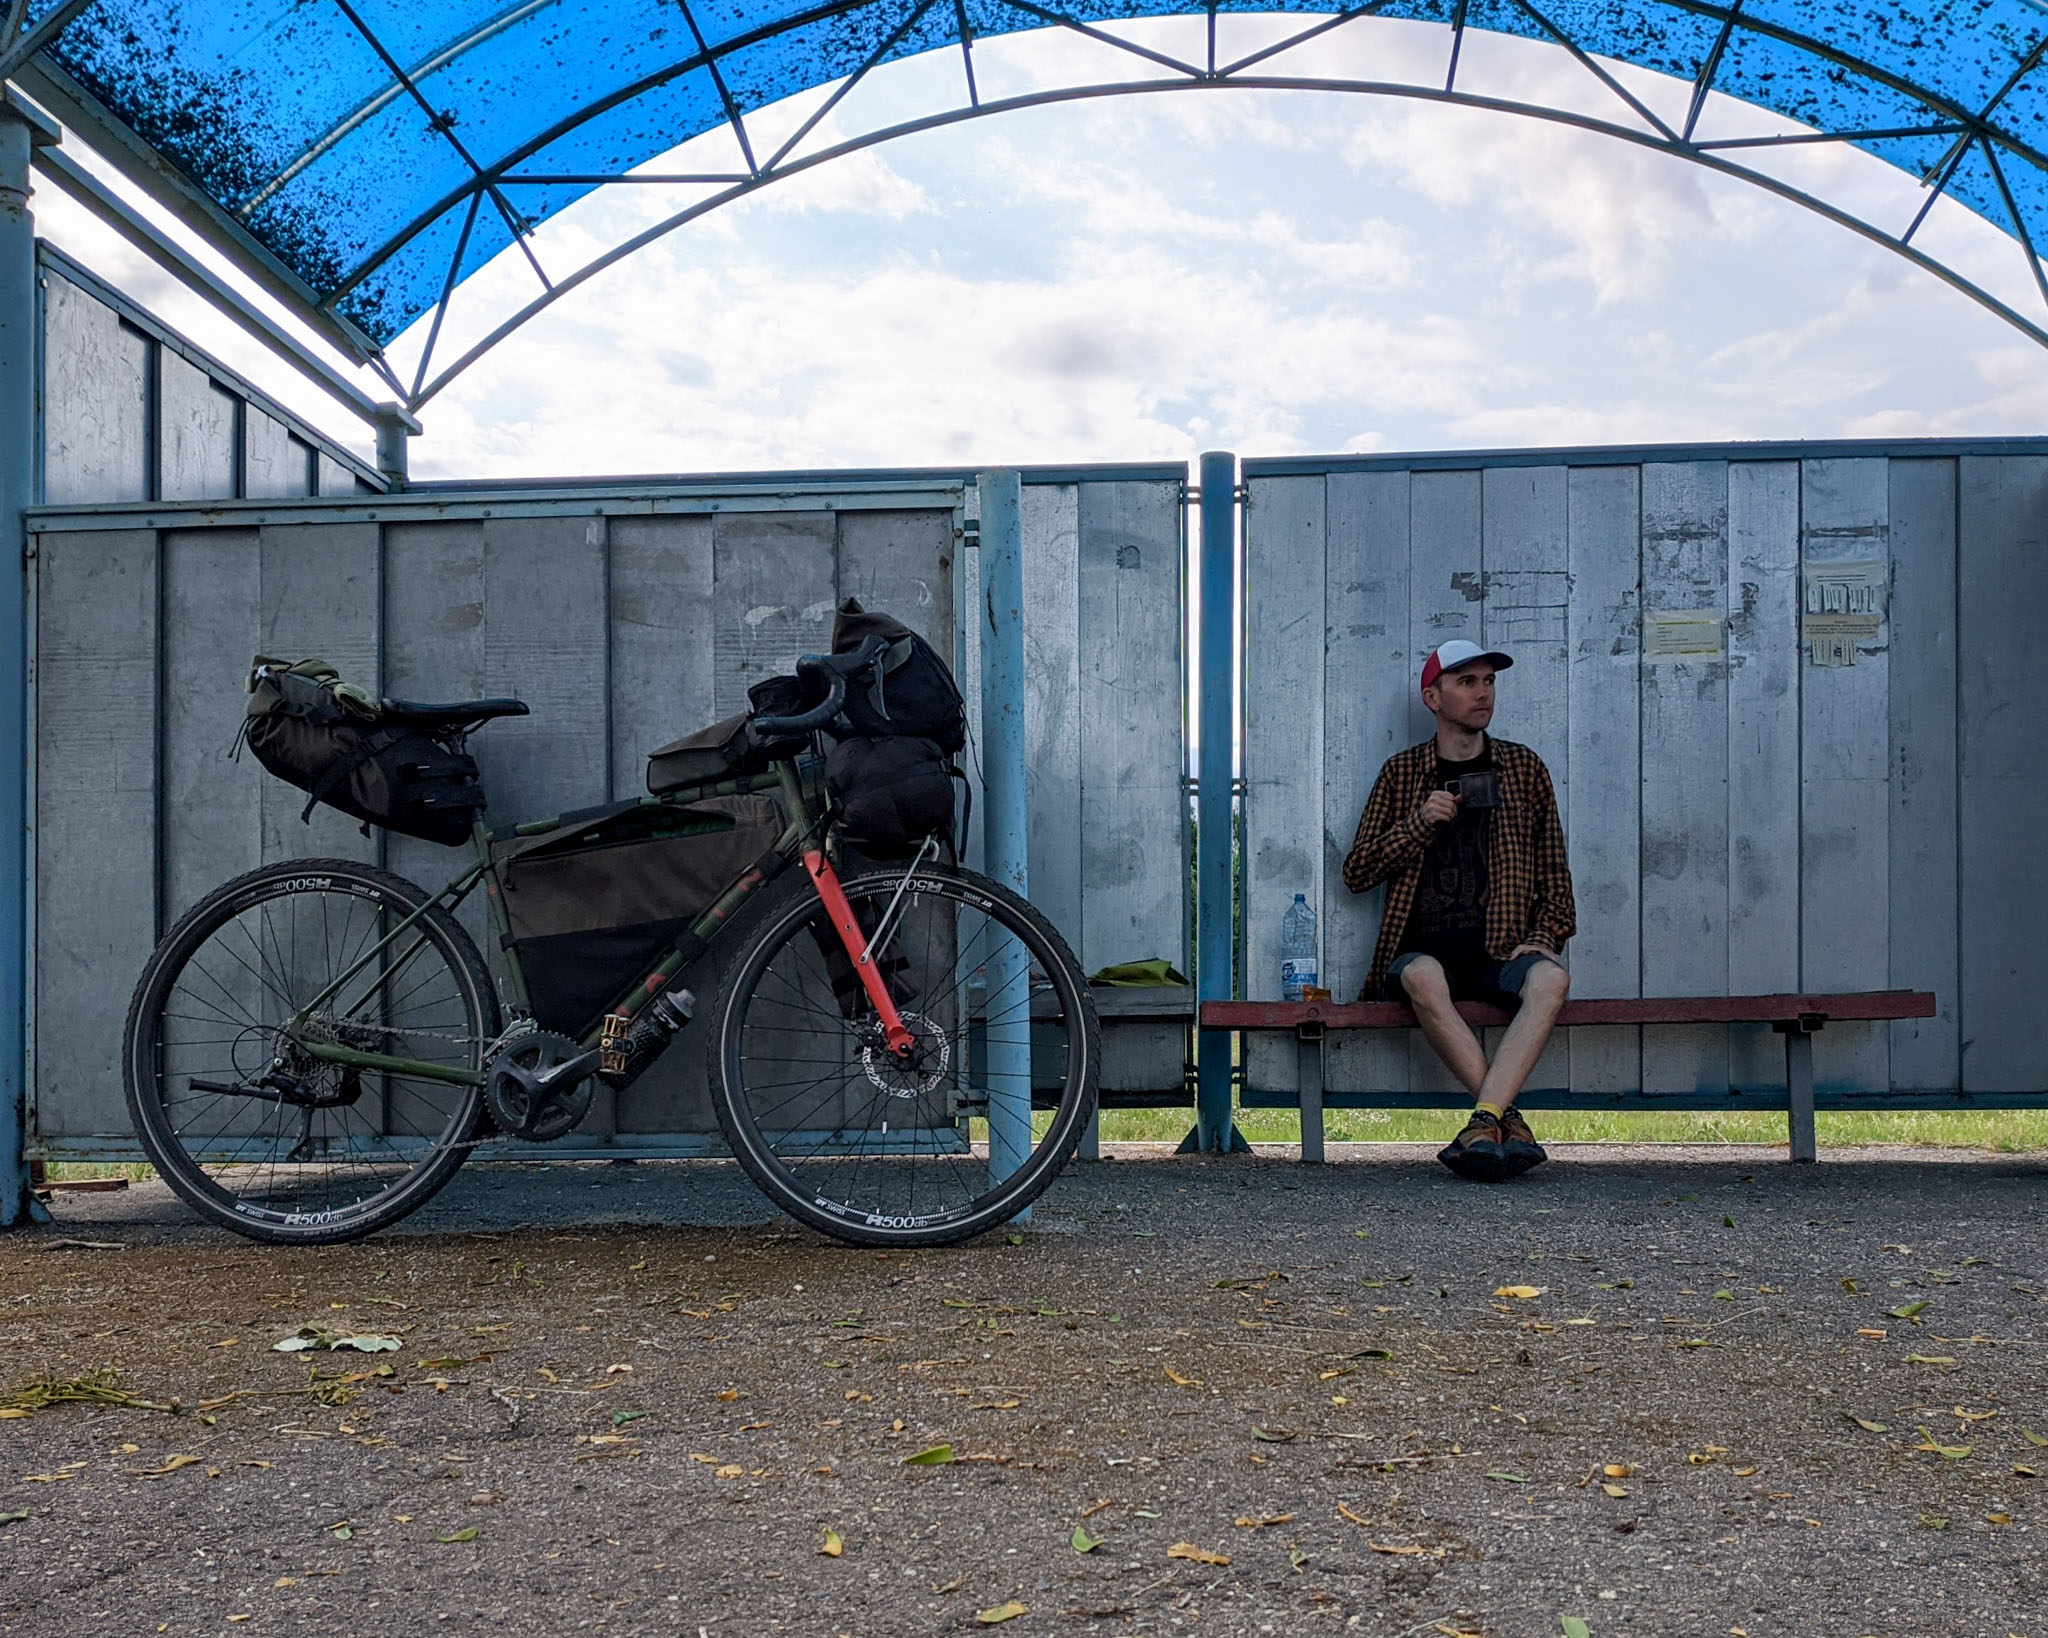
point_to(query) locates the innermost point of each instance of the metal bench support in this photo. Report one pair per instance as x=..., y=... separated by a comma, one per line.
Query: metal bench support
x=1308, y=1058
x=1799, y=1083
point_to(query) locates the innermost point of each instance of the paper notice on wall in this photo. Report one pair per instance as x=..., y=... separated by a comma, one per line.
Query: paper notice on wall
x=1844, y=609
x=1682, y=634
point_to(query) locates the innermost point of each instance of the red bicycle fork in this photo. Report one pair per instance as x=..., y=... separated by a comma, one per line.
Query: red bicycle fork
x=826, y=880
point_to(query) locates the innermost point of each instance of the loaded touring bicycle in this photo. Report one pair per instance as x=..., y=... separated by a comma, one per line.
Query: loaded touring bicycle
x=901, y=1051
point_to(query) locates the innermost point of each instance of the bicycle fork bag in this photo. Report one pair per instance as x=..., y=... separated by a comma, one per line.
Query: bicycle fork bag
x=592, y=906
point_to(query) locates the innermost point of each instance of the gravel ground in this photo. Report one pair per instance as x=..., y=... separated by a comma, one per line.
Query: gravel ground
x=1284, y=1401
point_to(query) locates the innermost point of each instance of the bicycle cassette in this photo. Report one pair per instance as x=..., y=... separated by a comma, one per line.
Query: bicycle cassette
x=538, y=1086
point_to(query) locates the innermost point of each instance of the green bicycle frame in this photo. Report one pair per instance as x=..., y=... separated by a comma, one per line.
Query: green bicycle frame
x=803, y=821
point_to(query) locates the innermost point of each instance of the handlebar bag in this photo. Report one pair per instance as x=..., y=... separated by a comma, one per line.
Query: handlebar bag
x=730, y=748
x=916, y=694
x=593, y=906
x=892, y=793
x=335, y=741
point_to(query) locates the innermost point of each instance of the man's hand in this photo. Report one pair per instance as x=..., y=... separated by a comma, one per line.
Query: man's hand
x=1441, y=808
x=1533, y=949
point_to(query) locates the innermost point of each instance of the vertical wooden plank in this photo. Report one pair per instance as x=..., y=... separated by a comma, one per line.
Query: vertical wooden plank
x=1134, y=871
x=1603, y=731
x=95, y=795
x=901, y=562
x=2003, y=544
x=1052, y=703
x=661, y=641
x=319, y=596
x=1371, y=677
x=1921, y=827
x=1524, y=559
x=267, y=457
x=195, y=433
x=1763, y=754
x=1844, y=805
x=1283, y=712
x=95, y=399
x=773, y=589
x=1446, y=591
x=212, y=805
x=336, y=481
x=1685, y=772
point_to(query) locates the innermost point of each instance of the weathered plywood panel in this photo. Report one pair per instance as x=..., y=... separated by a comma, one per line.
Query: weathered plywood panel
x=1603, y=731
x=1372, y=674
x=2003, y=574
x=196, y=433
x=1446, y=587
x=1050, y=521
x=1763, y=754
x=1844, y=806
x=1133, y=815
x=662, y=686
x=775, y=579
x=96, y=411
x=273, y=462
x=1685, y=771
x=1283, y=706
x=1921, y=826
x=95, y=811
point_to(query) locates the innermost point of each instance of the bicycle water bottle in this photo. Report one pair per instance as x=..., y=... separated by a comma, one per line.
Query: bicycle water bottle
x=1298, y=950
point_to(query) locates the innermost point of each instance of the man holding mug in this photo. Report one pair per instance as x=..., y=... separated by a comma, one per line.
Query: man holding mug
x=1463, y=829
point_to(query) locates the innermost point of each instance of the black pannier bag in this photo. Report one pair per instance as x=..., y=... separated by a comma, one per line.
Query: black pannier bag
x=892, y=793
x=592, y=906
x=730, y=749
x=916, y=696
x=334, y=741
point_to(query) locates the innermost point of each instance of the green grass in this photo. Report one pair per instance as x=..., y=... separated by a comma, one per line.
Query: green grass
x=2017, y=1131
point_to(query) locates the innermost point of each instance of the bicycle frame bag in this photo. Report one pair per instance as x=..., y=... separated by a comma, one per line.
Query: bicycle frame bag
x=333, y=740
x=730, y=749
x=592, y=906
x=915, y=694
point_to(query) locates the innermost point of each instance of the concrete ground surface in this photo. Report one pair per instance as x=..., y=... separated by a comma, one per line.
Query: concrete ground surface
x=1657, y=1392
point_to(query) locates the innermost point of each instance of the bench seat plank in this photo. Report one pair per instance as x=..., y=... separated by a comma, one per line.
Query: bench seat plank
x=1860, y=1007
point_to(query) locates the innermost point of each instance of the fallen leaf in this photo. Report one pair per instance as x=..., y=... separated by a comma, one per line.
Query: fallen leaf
x=1617, y=1470
x=1275, y=1436
x=1576, y=1628
x=1405, y=1551
x=1866, y=1426
x=13, y=1518
x=1998, y=1518
x=1249, y=1522
x=319, y=1337
x=2024, y=1472
x=952, y=1586
x=1297, y=1560
x=936, y=1456
x=618, y=1370
x=245, y=1615
x=1909, y=1310
x=1617, y=1491
x=1873, y=1332
x=1851, y=1287
x=833, y=1545
x=467, y=1533
x=620, y=1418
x=731, y=1470
x=1954, y=1453
x=1180, y=1381
x=1934, y=1521
x=1520, y=1292
x=1082, y=1542
x=1929, y=1359
x=2038, y=1441
x=1743, y=1472
x=1196, y=1555
x=171, y=1465
x=1002, y=1612
x=1508, y=1478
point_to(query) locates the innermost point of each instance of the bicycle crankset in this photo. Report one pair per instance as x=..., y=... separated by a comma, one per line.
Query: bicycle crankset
x=539, y=1085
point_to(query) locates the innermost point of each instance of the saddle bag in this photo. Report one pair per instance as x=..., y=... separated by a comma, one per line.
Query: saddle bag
x=334, y=741
x=592, y=906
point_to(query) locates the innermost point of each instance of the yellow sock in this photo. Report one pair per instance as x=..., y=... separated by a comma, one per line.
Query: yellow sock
x=1496, y=1110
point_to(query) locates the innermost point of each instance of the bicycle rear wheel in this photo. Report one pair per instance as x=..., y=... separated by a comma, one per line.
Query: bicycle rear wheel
x=966, y=1133
x=250, y=1129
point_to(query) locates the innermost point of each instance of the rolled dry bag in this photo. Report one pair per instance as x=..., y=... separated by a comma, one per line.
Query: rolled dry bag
x=892, y=793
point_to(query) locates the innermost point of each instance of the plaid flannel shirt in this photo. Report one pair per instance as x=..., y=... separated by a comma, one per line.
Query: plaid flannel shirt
x=1528, y=878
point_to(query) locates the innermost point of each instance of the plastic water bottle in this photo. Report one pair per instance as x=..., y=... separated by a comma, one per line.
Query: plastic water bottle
x=1298, y=950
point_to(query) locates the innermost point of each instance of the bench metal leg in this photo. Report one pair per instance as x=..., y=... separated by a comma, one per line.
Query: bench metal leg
x=1091, y=1137
x=1799, y=1094
x=1308, y=1058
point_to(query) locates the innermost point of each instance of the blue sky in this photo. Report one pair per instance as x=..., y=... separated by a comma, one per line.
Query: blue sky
x=1147, y=277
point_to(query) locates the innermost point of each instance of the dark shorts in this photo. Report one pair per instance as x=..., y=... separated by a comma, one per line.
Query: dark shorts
x=1499, y=983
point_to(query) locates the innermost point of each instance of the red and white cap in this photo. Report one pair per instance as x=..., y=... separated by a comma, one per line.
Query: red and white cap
x=1460, y=652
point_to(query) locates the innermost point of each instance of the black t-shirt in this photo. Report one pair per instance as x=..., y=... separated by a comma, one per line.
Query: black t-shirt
x=1449, y=918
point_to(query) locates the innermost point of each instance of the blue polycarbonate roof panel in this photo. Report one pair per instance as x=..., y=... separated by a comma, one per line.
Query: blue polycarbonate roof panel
x=361, y=141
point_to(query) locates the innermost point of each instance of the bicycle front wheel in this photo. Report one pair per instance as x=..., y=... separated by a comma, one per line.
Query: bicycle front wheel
x=259, y=1134
x=935, y=1147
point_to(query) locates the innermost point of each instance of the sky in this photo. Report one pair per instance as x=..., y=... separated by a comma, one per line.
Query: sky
x=1143, y=278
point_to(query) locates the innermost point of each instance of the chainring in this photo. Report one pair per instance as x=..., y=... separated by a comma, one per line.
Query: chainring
x=509, y=1097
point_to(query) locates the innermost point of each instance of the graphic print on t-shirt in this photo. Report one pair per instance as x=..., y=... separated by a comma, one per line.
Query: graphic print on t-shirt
x=1449, y=918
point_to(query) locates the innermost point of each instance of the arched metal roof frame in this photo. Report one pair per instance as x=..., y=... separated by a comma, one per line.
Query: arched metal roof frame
x=1971, y=149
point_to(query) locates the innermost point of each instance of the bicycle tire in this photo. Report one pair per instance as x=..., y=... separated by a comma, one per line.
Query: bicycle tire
x=320, y=1191
x=816, y=1173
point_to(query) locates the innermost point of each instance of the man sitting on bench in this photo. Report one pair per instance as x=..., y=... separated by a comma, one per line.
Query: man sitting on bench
x=1463, y=829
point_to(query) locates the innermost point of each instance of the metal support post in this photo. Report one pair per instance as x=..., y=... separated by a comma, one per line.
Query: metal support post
x=1215, y=817
x=1308, y=1059
x=20, y=130
x=1005, y=836
x=394, y=427
x=1799, y=1087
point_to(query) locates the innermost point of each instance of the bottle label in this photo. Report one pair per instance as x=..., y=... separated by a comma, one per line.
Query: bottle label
x=1295, y=976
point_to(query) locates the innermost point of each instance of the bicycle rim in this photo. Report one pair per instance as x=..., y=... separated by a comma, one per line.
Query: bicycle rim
x=877, y=1151
x=333, y=1152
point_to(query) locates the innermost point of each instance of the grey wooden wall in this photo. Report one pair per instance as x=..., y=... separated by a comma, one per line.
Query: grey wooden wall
x=1740, y=818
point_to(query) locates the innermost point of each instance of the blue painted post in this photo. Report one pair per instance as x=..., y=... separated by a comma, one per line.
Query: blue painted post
x=1215, y=867
x=18, y=130
x=1005, y=843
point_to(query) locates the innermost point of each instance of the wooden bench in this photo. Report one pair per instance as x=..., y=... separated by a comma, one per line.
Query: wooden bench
x=1796, y=1017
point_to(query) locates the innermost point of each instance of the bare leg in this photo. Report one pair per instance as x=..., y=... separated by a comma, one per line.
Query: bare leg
x=1449, y=1036
x=1543, y=997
